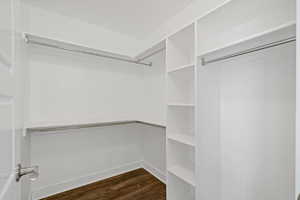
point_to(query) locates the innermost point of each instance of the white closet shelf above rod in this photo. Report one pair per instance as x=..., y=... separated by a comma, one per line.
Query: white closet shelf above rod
x=250, y=50
x=90, y=125
x=37, y=40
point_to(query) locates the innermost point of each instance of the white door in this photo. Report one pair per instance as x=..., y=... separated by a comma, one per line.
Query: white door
x=298, y=106
x=8, y=185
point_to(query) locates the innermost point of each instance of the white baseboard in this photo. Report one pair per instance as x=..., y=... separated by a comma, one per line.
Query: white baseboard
x=154, y=171
x=98, y=176
x=81, y=181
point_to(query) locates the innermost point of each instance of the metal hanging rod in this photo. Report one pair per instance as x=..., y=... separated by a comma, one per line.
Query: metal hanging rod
x=29, y=41
x=152, y=54
x=251, y=50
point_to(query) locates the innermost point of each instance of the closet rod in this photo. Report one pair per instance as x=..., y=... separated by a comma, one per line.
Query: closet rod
x=29, y=41
x=152, y=54
x=248, y=51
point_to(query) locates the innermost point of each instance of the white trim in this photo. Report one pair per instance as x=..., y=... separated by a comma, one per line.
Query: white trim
x=84, y=180
x=154, y=171
x=7, y=185
x=297, y=115
x=196, y=93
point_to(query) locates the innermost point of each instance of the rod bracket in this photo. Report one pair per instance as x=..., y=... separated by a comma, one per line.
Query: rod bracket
x=203, y=62
x=33, y=172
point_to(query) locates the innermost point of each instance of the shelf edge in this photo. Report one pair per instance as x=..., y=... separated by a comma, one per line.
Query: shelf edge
x=90, y=125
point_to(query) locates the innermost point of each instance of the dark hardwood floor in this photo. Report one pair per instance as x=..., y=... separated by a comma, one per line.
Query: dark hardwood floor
x=134, y=185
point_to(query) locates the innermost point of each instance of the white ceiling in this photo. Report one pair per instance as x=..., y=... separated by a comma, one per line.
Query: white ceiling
x=136, y=18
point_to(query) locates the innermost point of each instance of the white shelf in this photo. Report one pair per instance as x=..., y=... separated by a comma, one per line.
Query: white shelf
x=88, y=125
x=281, y=32
x=181, y=144
x=184, y=174
x=78, y=48
x=178, y=189
x=181, y=105
x=181, y=120
x=181, y=68
x=182, y=138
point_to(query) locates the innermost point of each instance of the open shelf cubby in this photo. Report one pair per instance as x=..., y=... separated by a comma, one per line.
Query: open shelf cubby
x=179, y=190
x=182, y=138
x=181, y=68
x=181, y=86
x=182, y=161
x=181, y=124
x=180, y=50
x=180, y=75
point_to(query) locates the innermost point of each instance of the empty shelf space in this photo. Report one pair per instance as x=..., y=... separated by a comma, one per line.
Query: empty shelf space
x=181, y=120
x=180, y=48
x=184, y=174
x=181, y=68
x=181, y=86
x=181, y=160
x=178, y=189
x=184, y=139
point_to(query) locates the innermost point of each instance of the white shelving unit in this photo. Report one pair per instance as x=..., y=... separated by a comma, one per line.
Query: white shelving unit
x=183, y=174
x=178, y=189
x=182, y=138
x=181, y=86
x=181, y=114
x=181, y=68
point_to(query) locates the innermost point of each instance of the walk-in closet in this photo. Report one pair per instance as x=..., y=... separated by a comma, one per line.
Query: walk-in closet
x=149, y=100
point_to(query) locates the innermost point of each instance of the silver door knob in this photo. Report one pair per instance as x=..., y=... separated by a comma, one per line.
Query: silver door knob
x=33, y=172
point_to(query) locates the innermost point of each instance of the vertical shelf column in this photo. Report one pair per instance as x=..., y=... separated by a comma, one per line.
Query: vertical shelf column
x=181, y=74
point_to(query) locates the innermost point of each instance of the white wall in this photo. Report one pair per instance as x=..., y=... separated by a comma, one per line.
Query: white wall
x=67, y=88
x=154, y=151
x=70, y=88
x=154, y=91
x=71, y=158
x=55, y=26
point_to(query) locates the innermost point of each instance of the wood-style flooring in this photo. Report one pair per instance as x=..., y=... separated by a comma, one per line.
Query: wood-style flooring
x=134, y=185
